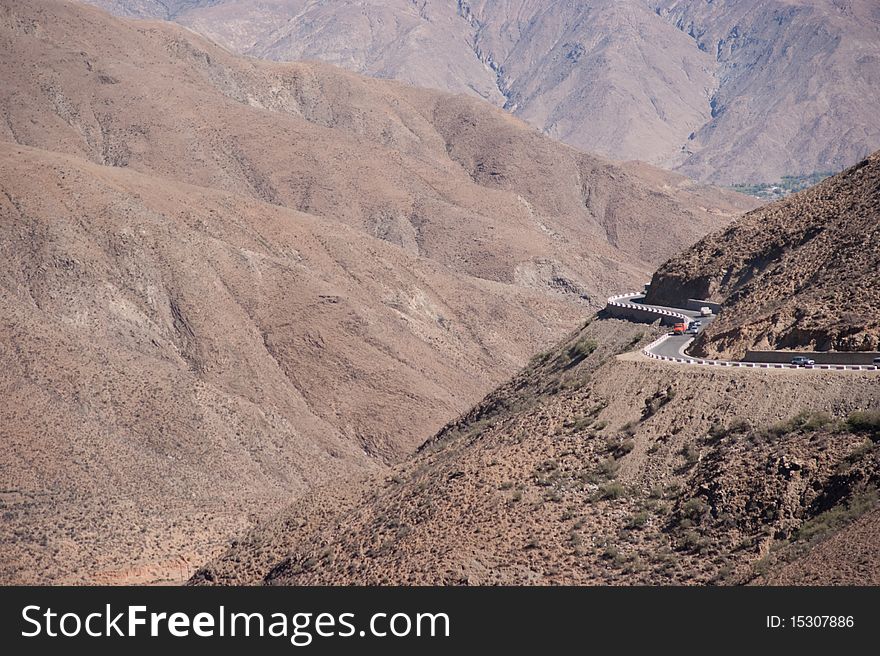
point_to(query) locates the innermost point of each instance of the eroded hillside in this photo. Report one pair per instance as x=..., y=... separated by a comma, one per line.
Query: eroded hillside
x=177, y=358
x=444, y=176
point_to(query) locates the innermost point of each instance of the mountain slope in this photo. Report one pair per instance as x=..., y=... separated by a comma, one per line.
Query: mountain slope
x=587, y=468
x=286, y=134
x=176, y=357
x=729, y=92
x=803, y=272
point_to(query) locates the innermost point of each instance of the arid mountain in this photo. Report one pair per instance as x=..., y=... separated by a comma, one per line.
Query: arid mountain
x=727, y=91
x=440, y=175
x=592, y=468
x=798, y=82
x=162, y=9
x=224, y=281
x=176, y=357
x=803, y=272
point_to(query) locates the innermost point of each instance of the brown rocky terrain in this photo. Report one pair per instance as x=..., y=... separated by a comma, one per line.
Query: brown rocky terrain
x=172, y=353
x=730, y=92
x=847, y=557
x=803, y=272
x=588, y=467
x=225, y=281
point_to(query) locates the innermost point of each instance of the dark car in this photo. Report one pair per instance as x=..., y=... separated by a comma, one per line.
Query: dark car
x=877, y=361
x=802, y=361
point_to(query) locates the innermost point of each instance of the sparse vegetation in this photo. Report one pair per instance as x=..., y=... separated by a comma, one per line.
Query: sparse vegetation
x=608, y=468
x=581, y=349
x=638, y=520
x=656, y=401
x=856, y=455
x=789, y=184
x=693, y=541
x=805, y=421
x=611, y=490
x=579, y=424
x=836, y=517
x=619, y=447
x=694, y=509
x=865, y=422
x=691, y=454
x=738, y=426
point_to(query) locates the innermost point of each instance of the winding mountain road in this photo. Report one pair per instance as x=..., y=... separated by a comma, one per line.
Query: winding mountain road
x=671, y=348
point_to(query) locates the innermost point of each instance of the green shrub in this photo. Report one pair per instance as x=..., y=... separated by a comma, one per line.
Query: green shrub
x=638, y=520
x=691, y=454
x=693, y=541
x=836, y=517
x=856, y=455
x=581, y=424
x=611, y=491
x=737, y=427
x=803, y=421
x=625, y=447
x=582, y=349
x=816, y=421
x=608, y=468
x=694, y=509
x=611, y=552
x=656, y=492
x=620, y=447
x=864, y=422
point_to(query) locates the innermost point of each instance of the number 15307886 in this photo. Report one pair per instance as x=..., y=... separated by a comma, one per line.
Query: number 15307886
x=810, y=622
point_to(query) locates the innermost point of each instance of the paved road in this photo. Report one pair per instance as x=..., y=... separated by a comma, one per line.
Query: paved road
x=671, y=347
x=674, y=345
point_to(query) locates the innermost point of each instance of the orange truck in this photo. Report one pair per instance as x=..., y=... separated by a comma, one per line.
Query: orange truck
x=679, y=328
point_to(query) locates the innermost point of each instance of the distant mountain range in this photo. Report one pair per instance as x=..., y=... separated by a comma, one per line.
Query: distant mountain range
x=744, y=91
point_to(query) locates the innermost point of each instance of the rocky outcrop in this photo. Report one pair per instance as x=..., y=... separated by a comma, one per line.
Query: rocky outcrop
x=802, y=273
